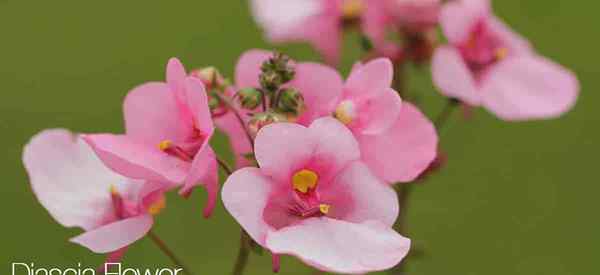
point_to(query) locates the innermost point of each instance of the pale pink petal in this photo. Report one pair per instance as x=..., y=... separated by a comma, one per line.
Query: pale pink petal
x=245, y=194
x=175, y=74
x=204, y=172
x=458, y=18
x=380, y=112
x=452, y=76
x=247, y=69
x=369, y=80
x=240, y=144
x=326, y=37
x=196, y=100
x=152, y=114
x=281, y=148
x=335, y=147
x=529, y=87
x=116, y=235
x=375, y=21
x=515, y=43
x=339, y=246
x=405, y=150
x=133, y=159
x=320, y=86
x=371, y=199
x=69, y=180
x=280, y=18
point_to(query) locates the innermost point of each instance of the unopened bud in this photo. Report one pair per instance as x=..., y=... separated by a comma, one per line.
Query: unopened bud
x=276, y=71
x=291, y=102
x=260, y=120
x=210, y=76
x=249, y=98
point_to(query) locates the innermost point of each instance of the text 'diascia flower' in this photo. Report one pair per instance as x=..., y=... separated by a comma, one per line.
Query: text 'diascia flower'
x=79, y=191
x=313, y=198
x=487, y=64
x=168, y=126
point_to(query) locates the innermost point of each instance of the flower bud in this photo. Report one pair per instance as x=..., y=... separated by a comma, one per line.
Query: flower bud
x=249, y=98
x=263, y=119
x=210, y=77
x=291, y=102
x=276, y=71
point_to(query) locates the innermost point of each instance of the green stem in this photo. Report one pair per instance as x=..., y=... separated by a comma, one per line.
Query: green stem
x=167, y=251
x=243, y=253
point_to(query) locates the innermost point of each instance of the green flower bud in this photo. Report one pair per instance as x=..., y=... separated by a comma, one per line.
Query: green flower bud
x=291, y=102
x=250, y=98
x=276, y=71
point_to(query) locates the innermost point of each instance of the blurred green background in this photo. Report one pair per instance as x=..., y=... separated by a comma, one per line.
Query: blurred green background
x=515, y=198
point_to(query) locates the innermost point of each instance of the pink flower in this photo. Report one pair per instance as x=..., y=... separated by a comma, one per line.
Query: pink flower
x=79, y=191
x=397, y=141
x=318, y=22
x=168, y=126
x=313, y=198
x=487, y=64
x=382, y=17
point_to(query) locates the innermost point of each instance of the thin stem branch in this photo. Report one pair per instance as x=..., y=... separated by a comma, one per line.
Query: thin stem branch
x=445, y=114
x=232, y=108
x=165, y=249
x=243, y=253
x=225, y=166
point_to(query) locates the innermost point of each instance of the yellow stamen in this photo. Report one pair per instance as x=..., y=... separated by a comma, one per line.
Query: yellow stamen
x=165, y=144
x=113, y=190
x=345, y=112
x=501, y=53
x=156, y=207
x=352, y=9
x=304, y=180
x=324, y=208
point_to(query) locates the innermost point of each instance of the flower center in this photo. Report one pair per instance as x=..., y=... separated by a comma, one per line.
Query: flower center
x=345, y=112
x=352, y=9
x=304, y=180
x=170, y=148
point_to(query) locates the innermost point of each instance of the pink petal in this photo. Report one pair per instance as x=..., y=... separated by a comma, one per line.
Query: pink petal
x=320, y=86
x=339, y=246
x=529, y=87
x=152, y=114
x=369, y=80
x=457, y=18
x=116, y=235
x=240, y=144
x=133, y=159
x=204, y=172
x=335, y=147
x=281, y=18
x=69, y=180
x=381, y=112
x=245, y=194
x=375, y=21
x=371, y=198
x=326, y=36
x=452, y=76
x=405, y=150
x=175, y=74
x=281, y=148
x=516, y=44
x=196, y=100
x=247, y=69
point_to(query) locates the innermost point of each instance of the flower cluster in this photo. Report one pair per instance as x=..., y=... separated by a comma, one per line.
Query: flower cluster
x=317, y=155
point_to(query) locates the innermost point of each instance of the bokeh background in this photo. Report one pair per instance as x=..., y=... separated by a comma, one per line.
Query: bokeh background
x=515, y=198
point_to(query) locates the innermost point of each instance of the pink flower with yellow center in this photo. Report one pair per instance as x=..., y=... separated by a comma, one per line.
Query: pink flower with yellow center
x=313, y=198
x=79, y=191
x=487, y=64
x=168, y=126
